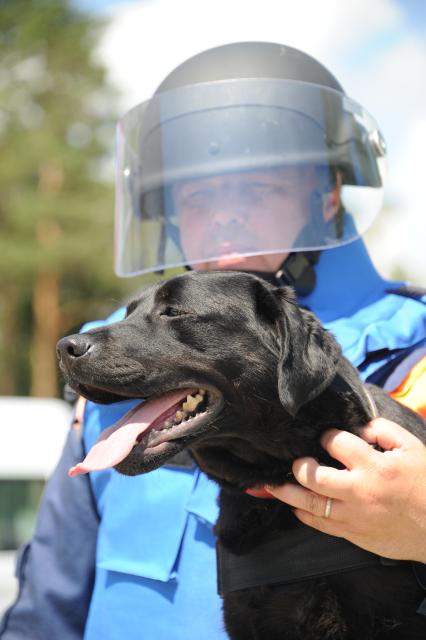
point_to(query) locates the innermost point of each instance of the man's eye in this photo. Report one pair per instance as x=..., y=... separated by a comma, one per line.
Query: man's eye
x=200, y=197
x=262, y=190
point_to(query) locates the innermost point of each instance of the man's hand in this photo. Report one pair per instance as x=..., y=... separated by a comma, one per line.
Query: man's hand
x=378, y=502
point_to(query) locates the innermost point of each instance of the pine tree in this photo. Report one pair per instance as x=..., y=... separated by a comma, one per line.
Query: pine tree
x=56, y=213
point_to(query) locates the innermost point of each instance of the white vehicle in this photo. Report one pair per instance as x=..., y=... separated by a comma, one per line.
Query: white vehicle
x=32, y=434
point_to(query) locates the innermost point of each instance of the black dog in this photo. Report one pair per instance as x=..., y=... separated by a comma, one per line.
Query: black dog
x=266, y=379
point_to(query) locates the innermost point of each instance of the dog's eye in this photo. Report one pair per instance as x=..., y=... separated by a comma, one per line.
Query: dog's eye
x=131, y=307
x=172, y=312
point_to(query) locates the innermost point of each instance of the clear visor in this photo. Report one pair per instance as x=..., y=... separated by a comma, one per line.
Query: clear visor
x=232, y=169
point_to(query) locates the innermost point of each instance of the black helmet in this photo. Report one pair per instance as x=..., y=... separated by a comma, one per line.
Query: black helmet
x=237, y=108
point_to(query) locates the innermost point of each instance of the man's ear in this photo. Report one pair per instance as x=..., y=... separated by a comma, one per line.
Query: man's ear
x=308, y=353
x=331, y=200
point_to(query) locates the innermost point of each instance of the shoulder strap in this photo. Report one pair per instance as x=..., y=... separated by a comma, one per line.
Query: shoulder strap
x=420, y=573
x=409, y=291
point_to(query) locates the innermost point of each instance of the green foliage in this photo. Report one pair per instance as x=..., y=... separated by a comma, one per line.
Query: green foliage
x=56, y=210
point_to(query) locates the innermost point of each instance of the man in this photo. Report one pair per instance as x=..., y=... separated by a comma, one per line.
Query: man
x=250, y=157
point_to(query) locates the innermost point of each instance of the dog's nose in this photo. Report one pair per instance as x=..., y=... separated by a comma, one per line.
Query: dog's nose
x=72, y=347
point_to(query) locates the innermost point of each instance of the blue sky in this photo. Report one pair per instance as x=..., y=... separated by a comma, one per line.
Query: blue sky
x=414, y=10
x=101, y=6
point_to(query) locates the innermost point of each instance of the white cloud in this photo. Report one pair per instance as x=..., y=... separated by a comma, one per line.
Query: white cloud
x=393, y=89
x=146, y=40
x=392, y=86
x=399, y=238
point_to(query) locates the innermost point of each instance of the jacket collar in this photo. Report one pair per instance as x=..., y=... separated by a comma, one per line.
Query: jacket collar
x=346, y=281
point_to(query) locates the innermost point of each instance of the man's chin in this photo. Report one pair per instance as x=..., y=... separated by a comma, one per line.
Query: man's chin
x=267, y=263
x=237, y=263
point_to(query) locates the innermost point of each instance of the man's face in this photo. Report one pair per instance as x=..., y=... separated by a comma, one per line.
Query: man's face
x=243, y=213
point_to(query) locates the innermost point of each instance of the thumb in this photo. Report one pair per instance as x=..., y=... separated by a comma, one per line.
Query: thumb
x=386, y=434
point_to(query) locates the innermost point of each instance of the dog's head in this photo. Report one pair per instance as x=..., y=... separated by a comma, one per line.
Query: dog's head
x=217, y=357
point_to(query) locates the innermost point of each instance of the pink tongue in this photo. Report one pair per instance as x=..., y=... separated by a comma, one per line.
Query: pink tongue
x=116, y=442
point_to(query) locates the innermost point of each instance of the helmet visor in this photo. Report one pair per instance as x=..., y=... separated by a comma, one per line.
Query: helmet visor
x=242, y=168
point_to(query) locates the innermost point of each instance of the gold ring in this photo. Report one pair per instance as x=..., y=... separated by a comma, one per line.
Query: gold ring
x=328, y=506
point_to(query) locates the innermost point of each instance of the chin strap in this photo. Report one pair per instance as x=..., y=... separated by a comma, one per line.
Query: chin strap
x=297, y=271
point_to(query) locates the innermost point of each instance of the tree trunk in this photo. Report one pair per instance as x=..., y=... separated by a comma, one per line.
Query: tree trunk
x=46, y=323
x=8, y=343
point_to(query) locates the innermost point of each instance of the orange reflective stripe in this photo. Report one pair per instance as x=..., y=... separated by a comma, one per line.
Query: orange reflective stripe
x=412, y=390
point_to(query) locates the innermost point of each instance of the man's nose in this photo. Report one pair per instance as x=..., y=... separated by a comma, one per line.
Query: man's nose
x=228, y=212
x=70, y=348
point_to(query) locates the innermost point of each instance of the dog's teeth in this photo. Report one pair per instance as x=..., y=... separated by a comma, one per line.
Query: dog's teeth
x=191, y=403
x=168, y=424
x=179, y=416
x=202, y=392
x=199, y=398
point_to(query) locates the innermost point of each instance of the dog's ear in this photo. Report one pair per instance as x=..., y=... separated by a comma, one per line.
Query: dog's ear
x=308, y=353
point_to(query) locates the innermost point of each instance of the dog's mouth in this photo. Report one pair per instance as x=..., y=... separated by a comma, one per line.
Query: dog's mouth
x=178, y=416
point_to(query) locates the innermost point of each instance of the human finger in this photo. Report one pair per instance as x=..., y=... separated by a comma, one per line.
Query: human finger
x=305, y=500
x=327, y=481
x=386, y=434
x=347, y=448
x=327, y=525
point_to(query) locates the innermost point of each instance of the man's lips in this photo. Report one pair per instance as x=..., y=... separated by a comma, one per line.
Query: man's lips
x=232, y=248
x=218, y=242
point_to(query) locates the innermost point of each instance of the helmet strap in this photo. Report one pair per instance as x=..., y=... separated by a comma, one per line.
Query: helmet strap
x=297, y=270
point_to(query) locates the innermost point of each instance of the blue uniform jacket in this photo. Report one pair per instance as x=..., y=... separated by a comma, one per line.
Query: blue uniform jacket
x=117, y=557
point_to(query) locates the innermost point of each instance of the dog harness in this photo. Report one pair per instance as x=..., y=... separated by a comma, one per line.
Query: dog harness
x=297, y=554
